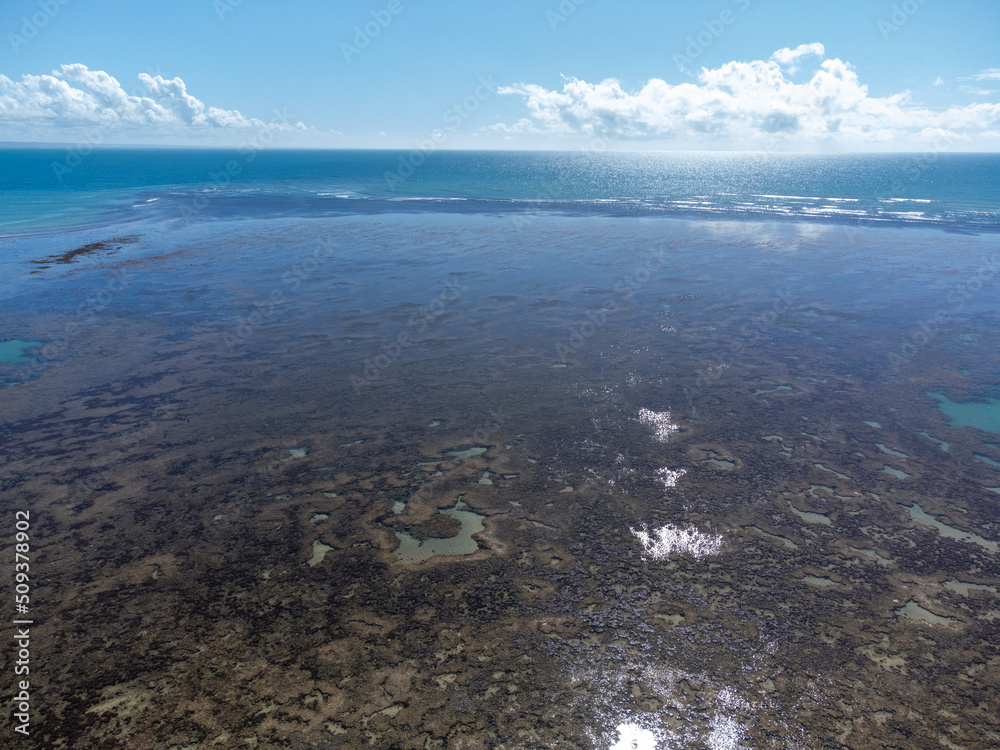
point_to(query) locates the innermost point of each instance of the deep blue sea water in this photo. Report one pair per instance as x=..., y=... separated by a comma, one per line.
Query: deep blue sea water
x=513, y=450
x=44, y=188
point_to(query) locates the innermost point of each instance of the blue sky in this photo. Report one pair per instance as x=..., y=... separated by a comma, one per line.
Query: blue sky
x=848, y=74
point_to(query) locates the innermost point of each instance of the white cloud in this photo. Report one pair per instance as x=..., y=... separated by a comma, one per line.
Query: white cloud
x=975, y=90
x=74, y=98
x=939, y=81
x=990, y=74
x=790, y=57
x=752, y=105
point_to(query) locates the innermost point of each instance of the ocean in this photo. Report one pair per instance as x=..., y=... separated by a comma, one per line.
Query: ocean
x=49, y=188
x=504, y=449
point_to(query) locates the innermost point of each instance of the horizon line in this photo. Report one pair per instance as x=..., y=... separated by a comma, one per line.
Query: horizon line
x=40, y=145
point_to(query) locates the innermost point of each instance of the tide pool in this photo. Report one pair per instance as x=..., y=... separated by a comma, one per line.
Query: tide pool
x=15, y=351
x=983, y=415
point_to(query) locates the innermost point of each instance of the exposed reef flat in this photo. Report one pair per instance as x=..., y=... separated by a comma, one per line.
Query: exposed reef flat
x=465, y=547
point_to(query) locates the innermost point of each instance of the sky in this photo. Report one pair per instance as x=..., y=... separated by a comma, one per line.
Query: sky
x=823, y=75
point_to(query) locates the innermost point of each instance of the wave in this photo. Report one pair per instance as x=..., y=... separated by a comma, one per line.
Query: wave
x=848, y=210
x=196, y=203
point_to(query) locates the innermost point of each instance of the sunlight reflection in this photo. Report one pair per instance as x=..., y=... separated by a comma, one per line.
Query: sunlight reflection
x=669, y=539
x=669, y=477
x=660, y=421
x=634, y=737
x=726, y=730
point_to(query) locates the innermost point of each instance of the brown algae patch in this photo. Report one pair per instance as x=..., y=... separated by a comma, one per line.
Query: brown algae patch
x=70, y=256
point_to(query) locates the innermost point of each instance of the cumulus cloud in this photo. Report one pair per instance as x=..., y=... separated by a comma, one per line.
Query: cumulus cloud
x=790, y=57
x=751, y=104
x=76, y=97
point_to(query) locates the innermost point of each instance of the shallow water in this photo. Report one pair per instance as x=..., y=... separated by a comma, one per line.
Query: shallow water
x=411, y=550
x=983, y=415
x=231, y=430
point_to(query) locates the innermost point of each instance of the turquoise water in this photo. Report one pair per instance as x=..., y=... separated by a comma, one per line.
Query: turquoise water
x=983, y=415
x=17, y=351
